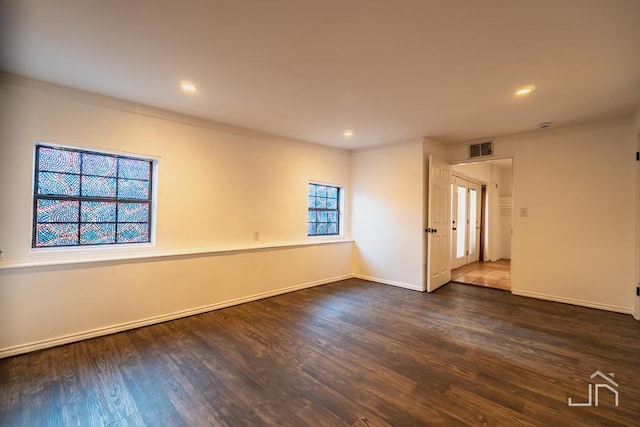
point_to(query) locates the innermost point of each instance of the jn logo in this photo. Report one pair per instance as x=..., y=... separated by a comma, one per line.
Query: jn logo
x=609, y=385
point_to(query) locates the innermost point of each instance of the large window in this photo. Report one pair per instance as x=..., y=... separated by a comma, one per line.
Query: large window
x=86, y=198
x=324, y=210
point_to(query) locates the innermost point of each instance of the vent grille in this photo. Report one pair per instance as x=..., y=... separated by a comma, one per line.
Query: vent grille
x=481, y=149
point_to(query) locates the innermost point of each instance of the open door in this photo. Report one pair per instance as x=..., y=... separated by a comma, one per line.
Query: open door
x=438, y=231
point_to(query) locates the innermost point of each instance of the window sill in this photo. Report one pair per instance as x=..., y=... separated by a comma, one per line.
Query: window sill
x=7, y=265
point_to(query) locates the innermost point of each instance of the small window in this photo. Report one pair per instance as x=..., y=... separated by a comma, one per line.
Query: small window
x=84, y=198
x=323, y=218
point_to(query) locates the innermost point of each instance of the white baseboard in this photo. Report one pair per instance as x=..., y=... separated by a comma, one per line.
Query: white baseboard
x=66, y=339
x=589, y=304
x=389, y=282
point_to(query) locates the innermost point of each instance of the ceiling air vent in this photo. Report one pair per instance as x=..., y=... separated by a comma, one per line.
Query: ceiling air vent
x=481, y=149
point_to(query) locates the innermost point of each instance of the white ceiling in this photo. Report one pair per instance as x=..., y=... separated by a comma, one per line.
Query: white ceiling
x=308, y=69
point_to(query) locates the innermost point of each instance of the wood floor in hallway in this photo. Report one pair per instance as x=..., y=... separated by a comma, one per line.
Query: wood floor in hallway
x=350, y=353
x=487, y=274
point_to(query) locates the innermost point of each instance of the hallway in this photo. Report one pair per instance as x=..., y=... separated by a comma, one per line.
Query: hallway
x=488, y=274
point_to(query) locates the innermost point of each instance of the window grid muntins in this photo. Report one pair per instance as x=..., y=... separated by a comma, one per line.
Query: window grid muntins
x=324, y=210
x=86, y=198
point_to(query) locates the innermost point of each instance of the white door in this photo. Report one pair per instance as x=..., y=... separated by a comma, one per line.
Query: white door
x=465, y=225
x=473, y=225
x=459, y=223
x=438, y=231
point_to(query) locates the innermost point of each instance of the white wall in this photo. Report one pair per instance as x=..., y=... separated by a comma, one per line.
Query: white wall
x=432, y=147
x=578, y=243
x=216, y=186
x=505, y=181
x=480, y=172
x=387, y=216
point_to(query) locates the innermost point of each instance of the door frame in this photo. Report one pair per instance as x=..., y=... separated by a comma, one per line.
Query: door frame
x=637, y=293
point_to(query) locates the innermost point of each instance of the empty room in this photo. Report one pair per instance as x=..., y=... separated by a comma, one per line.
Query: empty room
x=337, y=213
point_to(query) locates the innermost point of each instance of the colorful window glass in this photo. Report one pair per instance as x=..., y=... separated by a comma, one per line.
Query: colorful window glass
x=323, y=217
x=86, y=198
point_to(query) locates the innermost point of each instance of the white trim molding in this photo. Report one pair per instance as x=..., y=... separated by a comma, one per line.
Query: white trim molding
x=66, y=339
x=572, y=301
x=127, y=256
x=390, y=282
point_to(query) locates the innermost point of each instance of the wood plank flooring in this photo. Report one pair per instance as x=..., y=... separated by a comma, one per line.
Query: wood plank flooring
x=351, y=353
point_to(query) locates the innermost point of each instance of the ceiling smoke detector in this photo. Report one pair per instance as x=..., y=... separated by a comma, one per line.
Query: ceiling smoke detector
x=544, y=125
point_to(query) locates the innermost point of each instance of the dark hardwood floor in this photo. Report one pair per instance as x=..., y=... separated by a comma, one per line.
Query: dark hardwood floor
x=351, y=353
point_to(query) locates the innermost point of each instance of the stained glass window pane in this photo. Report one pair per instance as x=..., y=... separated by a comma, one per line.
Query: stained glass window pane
x=53, y=160
x=82, y=198
x=52, y=234
x=98, y=212
x=137, y=169
x=94, y=164
x=323, y=217
x=98, y=186
x=97, y=234
x=58, y=184
x=133, y=212
x=57, y=211
x=133, y=189
x=312, y=229
x=133, y=233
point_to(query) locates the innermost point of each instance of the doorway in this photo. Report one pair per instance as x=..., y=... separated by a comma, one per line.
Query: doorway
x=481, y=205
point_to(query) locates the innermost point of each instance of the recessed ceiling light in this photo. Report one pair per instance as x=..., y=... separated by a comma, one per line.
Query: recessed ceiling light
x=524, y=91
x=188, y=87
x=348, y=133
